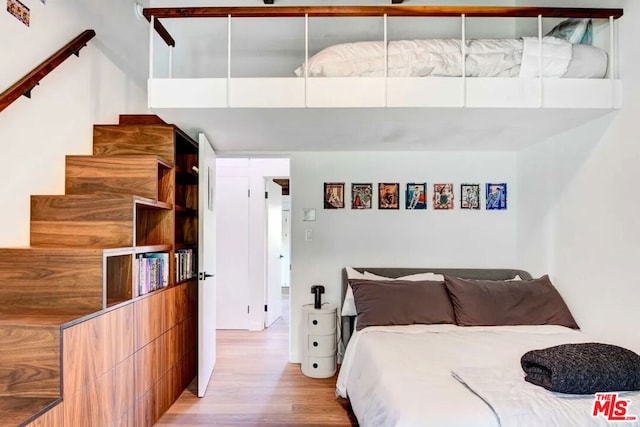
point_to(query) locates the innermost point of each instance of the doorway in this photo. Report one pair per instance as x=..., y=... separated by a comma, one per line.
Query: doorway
x=248, y=261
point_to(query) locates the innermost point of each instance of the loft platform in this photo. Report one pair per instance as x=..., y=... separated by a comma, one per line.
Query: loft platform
x=292, y=78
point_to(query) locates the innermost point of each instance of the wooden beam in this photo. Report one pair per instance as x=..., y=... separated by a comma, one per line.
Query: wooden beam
x=28, y=82
x=162, y=31
x=393, y=10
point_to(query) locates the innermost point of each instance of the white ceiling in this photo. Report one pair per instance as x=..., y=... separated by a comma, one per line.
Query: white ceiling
x=376, y=129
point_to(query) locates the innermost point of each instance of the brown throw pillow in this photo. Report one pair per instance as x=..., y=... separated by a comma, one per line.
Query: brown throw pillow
x=401, y=302
x=495, y=303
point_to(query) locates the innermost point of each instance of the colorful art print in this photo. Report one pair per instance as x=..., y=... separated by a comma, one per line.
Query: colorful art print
x=388, y=196
x=19, y=10
x=442, y=196
x=416, y=196
x=361, y=195
x=470, y=196
x=333, y=195
x=496, y=196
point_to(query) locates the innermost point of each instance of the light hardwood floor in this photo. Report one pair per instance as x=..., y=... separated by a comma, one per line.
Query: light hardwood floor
x=254, y=385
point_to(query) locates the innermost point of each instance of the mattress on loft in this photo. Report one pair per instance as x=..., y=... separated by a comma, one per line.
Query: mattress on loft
x=442, y=57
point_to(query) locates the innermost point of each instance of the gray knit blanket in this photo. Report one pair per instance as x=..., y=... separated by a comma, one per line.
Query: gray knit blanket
x=584, y=368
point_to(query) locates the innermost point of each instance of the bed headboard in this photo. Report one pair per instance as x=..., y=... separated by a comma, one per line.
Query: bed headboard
x=466, y=273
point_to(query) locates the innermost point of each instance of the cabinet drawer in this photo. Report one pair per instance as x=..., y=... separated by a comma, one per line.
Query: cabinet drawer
x=322, y=345
x=321, y=323
x=322, y=367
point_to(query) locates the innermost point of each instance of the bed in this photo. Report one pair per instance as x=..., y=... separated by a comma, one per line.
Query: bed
x=444, y=374
x=391, y=73
x=443, y=58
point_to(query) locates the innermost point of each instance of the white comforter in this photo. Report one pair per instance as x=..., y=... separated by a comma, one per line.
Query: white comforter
x=442, y=57
x=518, y=403
x=401, y=376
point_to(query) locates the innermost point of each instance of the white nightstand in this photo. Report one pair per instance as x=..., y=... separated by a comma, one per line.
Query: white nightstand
x=319, y=341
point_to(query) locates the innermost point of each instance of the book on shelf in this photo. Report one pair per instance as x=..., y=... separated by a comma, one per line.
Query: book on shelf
x=153, y=271
x=185, y=264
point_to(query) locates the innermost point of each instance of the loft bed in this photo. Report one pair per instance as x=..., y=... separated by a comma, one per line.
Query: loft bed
x=459, y=72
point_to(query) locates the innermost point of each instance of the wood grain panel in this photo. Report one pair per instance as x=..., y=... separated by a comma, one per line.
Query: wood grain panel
x=135, y=175
x=186, y=228
x=123, y=393
x=153, y=226
x=144, y=410
x=170, y=309
x=17, y=410
x=149, y=365
x=87, y=234
x=82, y=207
x=182, y=302
x=300, y=11
x=163, y=396
x=82, y=362
x=30, y=360
x=54, y=417
x=166, y=184
x=118, y=335
x=149, y=318
x=119, y=278
x=116, y=140
x=35, y=279
x=128, y=419
x=106, y=398
x=140, y=119
x=84, y=406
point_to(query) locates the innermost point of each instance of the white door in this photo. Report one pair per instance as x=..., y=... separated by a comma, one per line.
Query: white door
x=286, y=248
x=274, y=252
x=233, y=253
x=206, y=264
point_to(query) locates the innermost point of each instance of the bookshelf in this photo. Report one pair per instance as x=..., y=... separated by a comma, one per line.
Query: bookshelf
x=166, y=209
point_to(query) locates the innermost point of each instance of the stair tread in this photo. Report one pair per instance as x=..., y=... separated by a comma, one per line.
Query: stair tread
x=17, y=410
x=41, y=318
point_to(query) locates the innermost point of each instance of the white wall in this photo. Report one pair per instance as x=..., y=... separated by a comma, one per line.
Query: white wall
x=36, y=133
x=578, y=211
x=257, y=169
x=394, y=238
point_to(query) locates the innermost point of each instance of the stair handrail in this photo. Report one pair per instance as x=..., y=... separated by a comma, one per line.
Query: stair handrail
x=32, y=79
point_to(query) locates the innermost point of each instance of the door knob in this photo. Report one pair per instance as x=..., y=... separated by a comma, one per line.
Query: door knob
x=203, y=276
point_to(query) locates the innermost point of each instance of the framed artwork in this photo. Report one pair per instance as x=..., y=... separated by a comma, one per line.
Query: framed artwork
x=416, y=196
x=361, y=195
x=470, y=196
x=19, y=11
x=496, y=196
x=333, y=195
x=388, y=196
x=443, y=196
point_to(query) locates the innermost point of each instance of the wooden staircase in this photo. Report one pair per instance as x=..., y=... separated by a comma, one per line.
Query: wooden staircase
x=80, y=265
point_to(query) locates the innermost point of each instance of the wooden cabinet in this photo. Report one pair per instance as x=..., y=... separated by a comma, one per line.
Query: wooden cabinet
x=107, y=289
x=166, y=216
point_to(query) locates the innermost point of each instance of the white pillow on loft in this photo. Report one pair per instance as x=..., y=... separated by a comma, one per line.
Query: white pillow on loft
x=349, y=304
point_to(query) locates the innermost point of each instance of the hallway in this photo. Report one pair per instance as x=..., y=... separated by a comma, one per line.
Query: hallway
x=254, y=385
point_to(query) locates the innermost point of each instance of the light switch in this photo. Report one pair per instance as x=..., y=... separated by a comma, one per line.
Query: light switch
x=308, y=234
